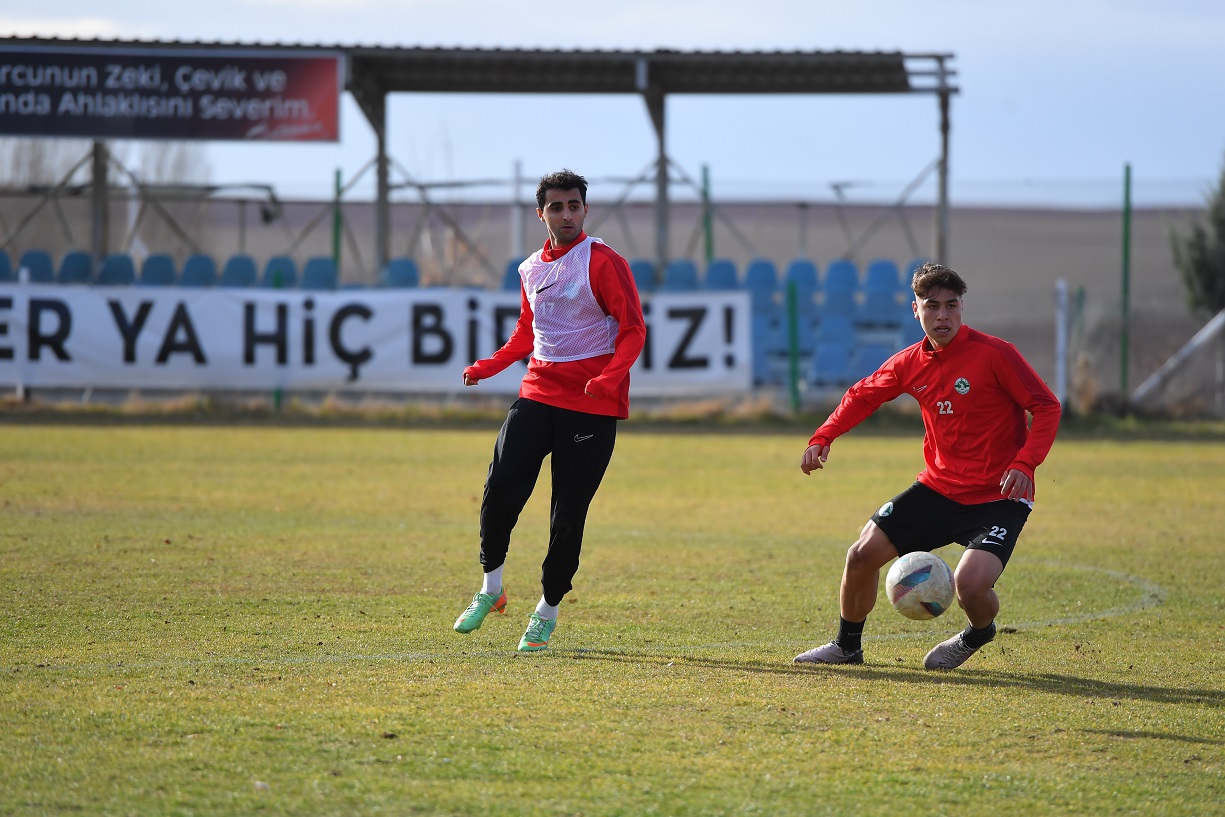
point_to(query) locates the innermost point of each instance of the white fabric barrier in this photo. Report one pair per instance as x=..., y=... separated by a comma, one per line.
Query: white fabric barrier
x=385, y=340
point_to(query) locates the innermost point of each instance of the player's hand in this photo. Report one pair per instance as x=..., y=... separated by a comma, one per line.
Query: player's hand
x=469, y=380
x=814, y=458
x=1015, y=485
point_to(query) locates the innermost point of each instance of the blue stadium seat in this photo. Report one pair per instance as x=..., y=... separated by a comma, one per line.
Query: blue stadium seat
x=400, y=272
x=912, y=331
x=831, y=364
x=841, y=276
x=882, y=276
x=644, y=274
x=76, y=267
x=801, y=274
x=6, y=267
x=116, y=270
x=881, y=309
x=200, y=270
x=239, y=271
x=721, y=275
x=836, y=327
x=680, y=275
x=868, y=357
x=319, y=274
x=838, y=302
x=280, y=272
x=156, y=271
x=764, y=342
x=35, y=266
x=761, y=280
x=511, y=282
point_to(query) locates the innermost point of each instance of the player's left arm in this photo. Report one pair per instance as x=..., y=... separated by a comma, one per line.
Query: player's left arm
x=1032, y=394
x=612, y=283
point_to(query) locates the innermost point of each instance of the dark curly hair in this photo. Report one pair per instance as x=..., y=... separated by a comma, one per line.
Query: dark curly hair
x=560, y=180
x=936, y=276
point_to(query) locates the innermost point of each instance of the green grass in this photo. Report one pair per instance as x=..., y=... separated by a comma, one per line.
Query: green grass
x=210, y=620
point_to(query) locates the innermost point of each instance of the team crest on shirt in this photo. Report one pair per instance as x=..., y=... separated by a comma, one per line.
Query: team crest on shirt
x=885, y=509
x=962, y=385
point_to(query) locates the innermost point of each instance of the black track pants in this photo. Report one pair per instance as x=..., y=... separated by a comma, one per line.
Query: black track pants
x=582, y=446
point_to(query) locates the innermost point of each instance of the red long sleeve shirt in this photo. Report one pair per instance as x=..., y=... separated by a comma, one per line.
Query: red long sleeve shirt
x=973, y=394
x=595, y=385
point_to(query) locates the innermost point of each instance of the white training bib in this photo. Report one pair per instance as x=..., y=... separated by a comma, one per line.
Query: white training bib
x=568, y=322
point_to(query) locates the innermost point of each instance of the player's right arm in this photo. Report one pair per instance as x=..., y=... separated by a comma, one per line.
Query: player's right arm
x=814, y=458
x=856, y=405
x=517, y=347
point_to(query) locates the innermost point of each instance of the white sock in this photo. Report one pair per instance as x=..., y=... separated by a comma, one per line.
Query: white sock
x=492, y=584
x=546, y=610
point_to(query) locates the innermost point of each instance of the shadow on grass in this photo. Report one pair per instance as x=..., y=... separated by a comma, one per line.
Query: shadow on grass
x=1047, y=682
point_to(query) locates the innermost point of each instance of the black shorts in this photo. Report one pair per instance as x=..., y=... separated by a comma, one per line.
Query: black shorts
x=921, y=519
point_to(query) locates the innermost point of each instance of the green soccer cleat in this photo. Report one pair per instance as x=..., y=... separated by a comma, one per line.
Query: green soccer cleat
x=472, y=618
x=538, y=632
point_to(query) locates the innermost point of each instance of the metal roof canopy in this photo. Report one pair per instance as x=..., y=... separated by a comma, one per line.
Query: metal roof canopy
x=373, y=72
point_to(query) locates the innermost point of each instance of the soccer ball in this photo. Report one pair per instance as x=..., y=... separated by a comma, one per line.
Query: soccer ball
x=920, y=585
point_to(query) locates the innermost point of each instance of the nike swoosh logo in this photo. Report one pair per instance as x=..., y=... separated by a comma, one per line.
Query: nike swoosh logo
x=546, y=286
x=579, y=439
x=919, y=389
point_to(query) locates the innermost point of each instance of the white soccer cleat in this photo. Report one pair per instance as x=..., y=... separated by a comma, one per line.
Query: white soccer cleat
x=830, y=653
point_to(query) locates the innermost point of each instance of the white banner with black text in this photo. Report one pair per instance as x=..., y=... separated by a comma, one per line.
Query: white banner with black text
x=379, y=340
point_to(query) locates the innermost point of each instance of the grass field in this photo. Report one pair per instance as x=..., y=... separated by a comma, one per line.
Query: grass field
x=210, y=620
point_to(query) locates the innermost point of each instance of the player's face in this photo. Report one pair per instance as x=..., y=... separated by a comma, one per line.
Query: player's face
x=563, y=215
x=939, y=313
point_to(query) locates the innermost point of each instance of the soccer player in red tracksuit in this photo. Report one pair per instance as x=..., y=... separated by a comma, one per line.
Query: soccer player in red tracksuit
x=581, y=321
x=978, y=485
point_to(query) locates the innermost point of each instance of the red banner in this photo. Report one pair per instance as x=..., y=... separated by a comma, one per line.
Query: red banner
x=100, y=93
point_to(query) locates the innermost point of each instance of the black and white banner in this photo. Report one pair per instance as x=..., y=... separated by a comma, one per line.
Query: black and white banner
x=410, y=340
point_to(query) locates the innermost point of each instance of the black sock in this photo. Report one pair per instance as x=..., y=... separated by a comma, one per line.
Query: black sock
x=850, y=635
x=977, y=638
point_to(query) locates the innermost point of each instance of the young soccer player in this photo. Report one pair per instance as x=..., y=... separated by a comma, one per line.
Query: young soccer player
x=581, y=321
x=978, y=484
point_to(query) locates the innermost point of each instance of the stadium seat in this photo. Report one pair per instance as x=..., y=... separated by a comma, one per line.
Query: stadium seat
x=763, y=340
x=156, y=271
x=868, y=357
x=511, y=282
x=841, y=276
x=761, y=280
x=116, y=270
x=680, y=275
x=882, y=276
x=319, y=273
x=801, y=275
x=881, y=309
x=76, y=267
x=838, y=302
x=912, y=331
x=644, y=274
x=35, y=266
x=831, y=364
x=200, y=270
x=239, y=271
x=400, y=272
x=280, y=272
x=836, y=327
x=721, y=275
x=6, y=268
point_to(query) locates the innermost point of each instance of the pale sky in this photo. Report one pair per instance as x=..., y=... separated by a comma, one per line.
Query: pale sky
x=1055, y=96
